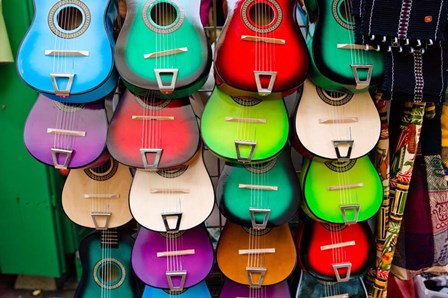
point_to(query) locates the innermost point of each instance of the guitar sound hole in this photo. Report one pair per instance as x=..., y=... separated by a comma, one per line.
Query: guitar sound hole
x=110, y=273
x=334, y=98
x=261, y=14
x=344, y=11
x=103, y=172
x=340, y=166
x=261, y=17
x=70, y=18
x=103, y=168
x=152, y=103
x=342, y=15
x=164, y=14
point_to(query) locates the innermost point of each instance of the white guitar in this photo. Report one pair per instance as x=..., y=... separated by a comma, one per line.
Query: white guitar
x=172, y=199
x=336, y=125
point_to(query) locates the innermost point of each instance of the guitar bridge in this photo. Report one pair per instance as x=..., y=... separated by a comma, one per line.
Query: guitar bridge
x=268, y=90
x=166, y=89
x=177, y=216
x=361, y=84
x=251, y=272
x=98, y=215
x=179, y=274
x=251, y=144
x=339, y=145
x=144, y=152
x=336, y=268
x=345, y=208
x=55, y=153
x=256, y=225
x=62, y=92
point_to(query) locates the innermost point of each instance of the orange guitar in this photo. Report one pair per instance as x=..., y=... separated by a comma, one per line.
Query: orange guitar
x=256, y=257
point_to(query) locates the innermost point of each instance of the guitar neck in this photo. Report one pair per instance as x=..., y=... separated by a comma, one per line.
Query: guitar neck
x=109, y=238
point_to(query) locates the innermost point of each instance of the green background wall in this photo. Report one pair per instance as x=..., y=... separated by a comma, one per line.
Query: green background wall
x=36, y=236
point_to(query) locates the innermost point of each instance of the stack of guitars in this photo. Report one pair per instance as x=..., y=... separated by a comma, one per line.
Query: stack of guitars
x=136, y=170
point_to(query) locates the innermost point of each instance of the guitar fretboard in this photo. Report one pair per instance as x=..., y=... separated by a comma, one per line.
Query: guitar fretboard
x=109, y=238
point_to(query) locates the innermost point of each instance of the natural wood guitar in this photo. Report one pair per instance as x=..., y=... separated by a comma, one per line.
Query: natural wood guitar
x=97, y=197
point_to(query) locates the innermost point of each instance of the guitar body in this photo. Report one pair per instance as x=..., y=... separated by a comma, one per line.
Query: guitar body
x=171, y=33
x=272, y=187
x=335, y=252
x=165, y=130
x=341, y=192
x=255, y=127
x=262, y=36
x=231, y=289
x=248, y=268
x=169, y=200
x=336, y=116
x=97, y=197
x=67, y=53
x=198, y=291
x=310, y=286
x=107, y=271
x=66, y=135
x=333, y=29
x=168, y=270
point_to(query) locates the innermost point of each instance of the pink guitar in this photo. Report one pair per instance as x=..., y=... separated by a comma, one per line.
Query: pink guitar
x=153, y=133
x=66, y=135
x=173, y=260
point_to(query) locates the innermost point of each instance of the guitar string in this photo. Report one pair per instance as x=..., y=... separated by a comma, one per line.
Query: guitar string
x=343, y=175
x=110, y=265
x=101, y=273
x=360, y=54
x=67, y=118
x=104, y=233
x=344, y=180
x=57, y=61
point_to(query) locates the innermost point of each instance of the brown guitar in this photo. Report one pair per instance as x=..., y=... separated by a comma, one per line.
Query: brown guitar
x=256, y=257
x=97, y=197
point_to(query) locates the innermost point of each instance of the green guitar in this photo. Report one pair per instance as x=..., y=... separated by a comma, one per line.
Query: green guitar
x=163, y=48
x=259, y=195
x=244, y=129
x=337, y=62
x=341, y=191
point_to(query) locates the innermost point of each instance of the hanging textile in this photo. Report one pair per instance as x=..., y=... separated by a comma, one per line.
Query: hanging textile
x=423, y=244
x=400, y=176
x=417, y=76
x=406, y=23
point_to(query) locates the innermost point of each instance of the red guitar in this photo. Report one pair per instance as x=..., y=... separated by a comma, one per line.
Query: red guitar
x=263, y=39
x=335, y=252
x=153, y=133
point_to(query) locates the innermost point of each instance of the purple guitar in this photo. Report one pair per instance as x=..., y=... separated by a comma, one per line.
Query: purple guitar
x=66, y=135
x=232, y=289
x=174, y=260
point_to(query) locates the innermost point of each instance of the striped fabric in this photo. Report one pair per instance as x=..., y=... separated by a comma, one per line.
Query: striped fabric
x=405, y=23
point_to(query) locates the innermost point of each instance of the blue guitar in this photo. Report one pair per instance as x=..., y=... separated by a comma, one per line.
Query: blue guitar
x=106, y=266
x=67, y=53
